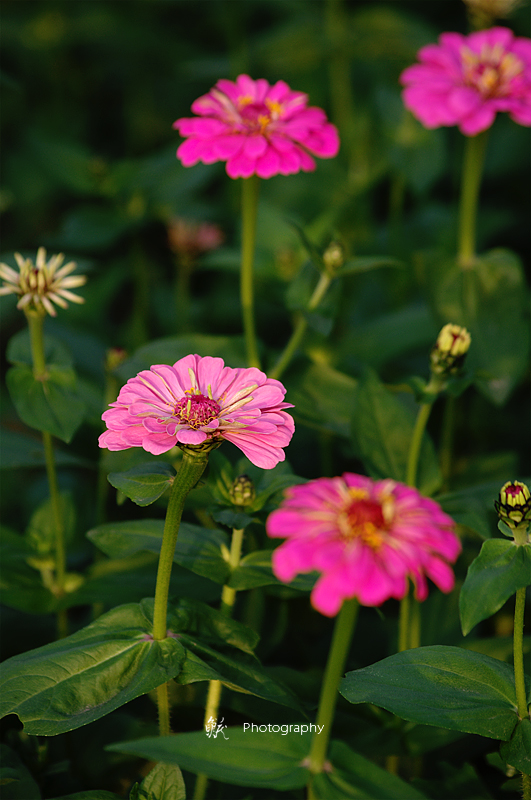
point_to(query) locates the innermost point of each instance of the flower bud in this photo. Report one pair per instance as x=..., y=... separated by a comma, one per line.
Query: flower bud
x=483, y=13
x=114, y=356
x=514, y=505
x=333, y=257
x=242, y=491
x=450, y=349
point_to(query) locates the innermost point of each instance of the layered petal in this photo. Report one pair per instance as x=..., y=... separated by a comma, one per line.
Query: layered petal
x=366, y=538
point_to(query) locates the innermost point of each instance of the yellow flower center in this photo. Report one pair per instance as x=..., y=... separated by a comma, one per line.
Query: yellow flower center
x=491, y=71
x=365, y=518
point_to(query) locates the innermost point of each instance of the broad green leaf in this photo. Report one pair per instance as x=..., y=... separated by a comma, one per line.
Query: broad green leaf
x=489, y=298
x=21, y=586
x=50, y=405
x=382, y=429
x=164, y=782
x=79, y=679
x=517, y=752
x=353, y=266
x=219, y=648
x=21, y=450
x=16, y=781
x=172, y=348
x=253, y=570
x=18, y=350
x=41, y=531
x=324, y=398
x=471, y=507
x=443, y=686
x=144, y=484
x=353, y=776
x=198, y=549
x=90, y=794
x=492, y=578
x=240, y=757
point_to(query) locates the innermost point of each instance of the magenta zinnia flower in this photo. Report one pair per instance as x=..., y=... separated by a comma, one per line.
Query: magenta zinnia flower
x=258, y=129
x=466, y=80
x=199, y=402
x=365, y=537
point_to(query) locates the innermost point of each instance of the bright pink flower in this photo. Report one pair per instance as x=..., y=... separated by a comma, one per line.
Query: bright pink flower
x=466, y=80
x=257, y=129
x=365, y=537
x=200, y=401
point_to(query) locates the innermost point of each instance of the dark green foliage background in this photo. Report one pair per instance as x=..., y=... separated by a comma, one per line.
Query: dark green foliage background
x=89, y=94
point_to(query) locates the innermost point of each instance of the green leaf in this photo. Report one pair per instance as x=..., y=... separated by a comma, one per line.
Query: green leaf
x=79, y=679
x=21, y=585
x=517, y=752
x=353, y=776
x=21, y=450
x=41, y=531
x=164, y=782
x=490, y=299
x=16, y=781
x=145, y=483
x=443, y=686
x=91, y=794
x=18, y=350
x=253, y=570
x=471, y=507
x=172, y=348
x=324, y=398
x=206, y=634
x=382, y=428
x=198, y=549
x=352, y=266
x=243, y=758
x=492, y=578
x=50, y=405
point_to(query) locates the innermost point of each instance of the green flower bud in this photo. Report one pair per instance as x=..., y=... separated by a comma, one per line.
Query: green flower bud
x=514, y=505
x=450, y=349
x=333, y=257
x=242, y=491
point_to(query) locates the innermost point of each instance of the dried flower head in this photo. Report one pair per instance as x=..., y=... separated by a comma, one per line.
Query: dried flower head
x=466, y=80
x=198, y=403
x=41, y=284
x=365, y=537
x=188, y=238
x=449, y=351
x=514, y=505
x=258, y=129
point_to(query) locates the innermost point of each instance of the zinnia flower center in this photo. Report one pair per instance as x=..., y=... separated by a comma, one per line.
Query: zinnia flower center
x=363, y=519
x=258, y=116
x=197, y=410
x=490, y=72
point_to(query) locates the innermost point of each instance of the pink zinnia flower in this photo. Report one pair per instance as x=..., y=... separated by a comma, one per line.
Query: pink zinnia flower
x=466, y=80
x=258, y=129
x=200, y=402
x=365, y=537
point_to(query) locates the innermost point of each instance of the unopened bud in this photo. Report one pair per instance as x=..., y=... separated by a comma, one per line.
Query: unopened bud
x=450, y=349
x=333, y=257
x=242, y=491
x=514, y=505
x=114, y=357
x=483, y=13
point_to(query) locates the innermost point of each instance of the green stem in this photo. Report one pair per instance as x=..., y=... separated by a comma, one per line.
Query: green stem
x=526, y=786
x=36, y=331
x=300, y=327
x=191, y=469
x=163, y=706
x=416, y=442
x=403, y=622
x=470, y=182
x=228, y=594
x=518, y=640
x=228, y=598
x=337, y=658
x=249, y=214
